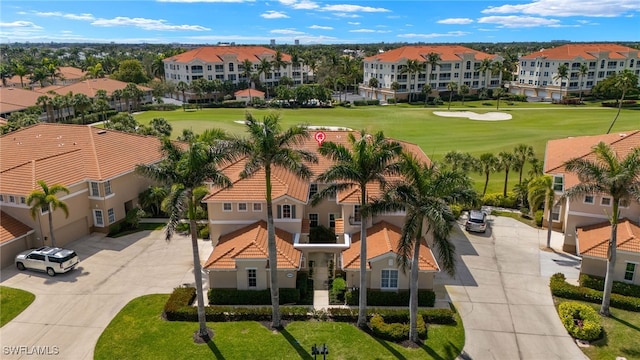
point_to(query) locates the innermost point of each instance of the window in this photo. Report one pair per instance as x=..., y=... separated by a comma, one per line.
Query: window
x=332, y=221
x=555, y=213
x=558, y=183
x=22, y=200
x=629, y=271
x=95, y=190
x=313, y=189
x=257, y=207
x=44, y=210
x=389, y=279
x=286, y=211
x=230, y=66
x=356, y=213
x=242, y=206
x=107, y=187
x=1, y=198
x=226, y=207
x=313, y=220
x=112, y=216
x=12, y=199
x=252, y=277
x=605, y=201
x=97, y=217
x=588, y=199
x=624, y=203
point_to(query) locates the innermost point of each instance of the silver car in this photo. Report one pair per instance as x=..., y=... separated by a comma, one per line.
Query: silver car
x=52, y=260
x=476, y=222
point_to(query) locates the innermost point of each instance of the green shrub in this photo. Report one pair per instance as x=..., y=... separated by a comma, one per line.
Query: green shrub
x=181, y=298
x=619, y=287
x=456, y=210
x=581, y=321
x=233, y=104
x=395, y=331
x=426, y=298
x=132, y=220
x=538, y=217
x=560, y=288
x=343, y=314
x=438, y=316
x=497, y=199
x=373, y=102
x=251, y=297
x=338, y=288
x=391, y=101
x=114, y=229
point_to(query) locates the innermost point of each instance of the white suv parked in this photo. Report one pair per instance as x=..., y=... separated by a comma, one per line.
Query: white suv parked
x=52, y=260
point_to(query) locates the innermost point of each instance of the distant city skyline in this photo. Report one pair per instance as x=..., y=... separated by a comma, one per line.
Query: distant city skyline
x=318, y=22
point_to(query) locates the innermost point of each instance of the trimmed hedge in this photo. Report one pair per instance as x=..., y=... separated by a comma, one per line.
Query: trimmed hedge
x=251, y=297
x=619, y=287
x=366, y=102
x=430, y=316
x=426, y=298
x=497, y=199
x=395, y=331
x=560, y=288
x=180, y=298
x=581, y=321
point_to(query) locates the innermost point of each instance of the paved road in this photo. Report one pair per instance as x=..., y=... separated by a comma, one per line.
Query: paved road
x=501, y=291
x=72, y=310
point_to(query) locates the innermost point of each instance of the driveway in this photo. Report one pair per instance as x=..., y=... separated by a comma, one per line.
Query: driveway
x=502, y=293
x=72, y=310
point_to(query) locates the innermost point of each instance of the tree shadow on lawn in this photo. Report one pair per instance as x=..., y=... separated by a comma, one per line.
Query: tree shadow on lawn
x=625, y=323
x=451, y=351
x=214, y=349
x=296, y=345
x=393, y=351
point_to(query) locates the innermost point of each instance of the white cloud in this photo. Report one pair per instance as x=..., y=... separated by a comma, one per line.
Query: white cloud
x=370, y=31
x=353, y=8
x=205, y=1
x=434, y=35
x=319, y=27
x=353, y=23
x=286, y=32
x=19, y=25
x=514, y=21
x=272, y=14
x=408, y=25
x=146, y=24
x=589, y=8
x=455, y=21
x=300, y=5
x=345, y=15
x=85, y=17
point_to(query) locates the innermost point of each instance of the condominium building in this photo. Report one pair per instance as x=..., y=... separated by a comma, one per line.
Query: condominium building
x=457, y=64
x=538, y=76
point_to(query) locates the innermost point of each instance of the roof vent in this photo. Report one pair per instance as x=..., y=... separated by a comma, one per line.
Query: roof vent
x=100, y=132
x=623, y=135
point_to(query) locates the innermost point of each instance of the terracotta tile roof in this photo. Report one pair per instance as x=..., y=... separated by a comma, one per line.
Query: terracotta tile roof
x=11, y=228
x=214, y=54
x=593, y=240
x=91, y=86
x=245, y=92
x=15, y=99
x=383, y=238
x=286, y=184
x=561, y=150
x=68, y=154
x=71, y=73
x=250, y=242
x=447, y=53
x=584, y=51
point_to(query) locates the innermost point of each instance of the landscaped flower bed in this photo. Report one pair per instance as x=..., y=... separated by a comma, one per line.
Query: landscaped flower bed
x=581, y=321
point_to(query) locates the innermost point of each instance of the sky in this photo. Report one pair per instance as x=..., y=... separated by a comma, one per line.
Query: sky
x=318, y=22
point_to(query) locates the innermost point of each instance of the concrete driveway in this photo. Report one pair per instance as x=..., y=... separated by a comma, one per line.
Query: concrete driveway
x=502, y=293
x=72, y=310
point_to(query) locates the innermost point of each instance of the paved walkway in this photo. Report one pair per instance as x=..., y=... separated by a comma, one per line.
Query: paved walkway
x=502, y=293
x=321, y=299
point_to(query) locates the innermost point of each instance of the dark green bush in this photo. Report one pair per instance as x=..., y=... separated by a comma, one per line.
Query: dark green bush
x=114, y=229
x=438, y=316
x=338, y=288
x=301, y=283
x=181, y=298
x=426, y=298
x=251, y=297
x=619, y=287
x=395, y=331
x=160, y=107
x=233, y=104
x=560, y=288
x=497, y=199
x=581, y=321
x=538, y=217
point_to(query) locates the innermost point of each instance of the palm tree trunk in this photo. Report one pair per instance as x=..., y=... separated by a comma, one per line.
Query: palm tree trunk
x=413, y=291
x=53, y=238
x=549, y=223
x=611, y=261
x=486, y=182
x=506, y=180
x=617, y=114
x=362, y=304
x=203, y=332
x=273, y=258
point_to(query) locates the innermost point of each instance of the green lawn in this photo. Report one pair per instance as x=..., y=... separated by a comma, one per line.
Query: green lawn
x=13, y=302
x=533, y=124
x=138, y=332
x=622, y=335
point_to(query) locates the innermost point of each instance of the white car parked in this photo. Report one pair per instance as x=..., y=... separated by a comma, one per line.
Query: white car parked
x=52, y=260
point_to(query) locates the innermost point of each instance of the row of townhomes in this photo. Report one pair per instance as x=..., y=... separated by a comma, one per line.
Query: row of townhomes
x=585, y=221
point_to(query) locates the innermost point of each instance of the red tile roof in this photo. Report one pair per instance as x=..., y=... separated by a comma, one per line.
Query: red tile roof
x=16, y=99
x=250, y=242
x=90, y=87
x=11, y=228
x=245, y=92
x=383, y=238
x=584, y=51
x=213, y=54
x=594, y=240
x=420, y=52
x=68, y=154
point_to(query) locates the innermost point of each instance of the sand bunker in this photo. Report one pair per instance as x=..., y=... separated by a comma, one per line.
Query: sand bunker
x=490, y=116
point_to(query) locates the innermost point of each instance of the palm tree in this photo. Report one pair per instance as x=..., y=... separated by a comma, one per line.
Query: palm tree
x=395, y=86
x=366, y=161
x=265, y=68
x=152, y=198
x=540, y=192
x=411, y=68
x=619, y=178
x=522, y=153
x=498, y=93
x=426, y=90
x=278, y=62
x=451, y=87
x=458, y=161
x=269, y=147
x=81, y=103
x=45, y=199
x=486, y=164
x=563, y=73
x=583, y=71
x=425, y=194
x=45, y=102
x=185, y=171
x=373, y=83
x=506, y=160
x=485, y=68
x=247, y=72
x=183, y=87
x=116, y=95
x=96, y=71
x=464, y=90
x=21, y=71
x=626, y=80
x=432, y=60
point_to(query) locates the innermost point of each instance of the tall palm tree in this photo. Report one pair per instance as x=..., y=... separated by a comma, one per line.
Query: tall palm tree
x=464, y=90
x=269, y=147
x=116, y=95
x=45, y=102
x=485, y=68
x=498, y=94
x=185, y=171
x=81, y=103
x=246, y=72
x=152, y=198
x=425, y=194
x=617, y=177
x=625, y=81
x=426, y=90
x=265, y=68
x=278, y=62
x=506, y=160
x=522, y=153
x=183, y=87
x=410, y=68
x=373, y=83
x=583, y=71
x=45, y=199
x=451, y=87
x=540, y=191
x=433, y=60
x=458, y=161
x=395, y=86
x=563, y=73
x=486, y=164
x=366, y=161
x=21, y=71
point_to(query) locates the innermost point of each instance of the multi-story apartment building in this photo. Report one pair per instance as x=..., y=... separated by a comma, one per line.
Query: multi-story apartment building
x=538, y=72
x=457, y=64
x=225, y=63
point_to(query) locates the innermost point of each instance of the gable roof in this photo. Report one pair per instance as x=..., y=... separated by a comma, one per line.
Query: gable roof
x=250, y=242
x=91, y=86
x=383, y=238
x=11, y=228
x=71, y=73
x=593, y=240
x=15, y=99
x=68, y=154
x=213, y=54
x=245, y=92
x=420, y=52
x=584, y=51
x=560, y=151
